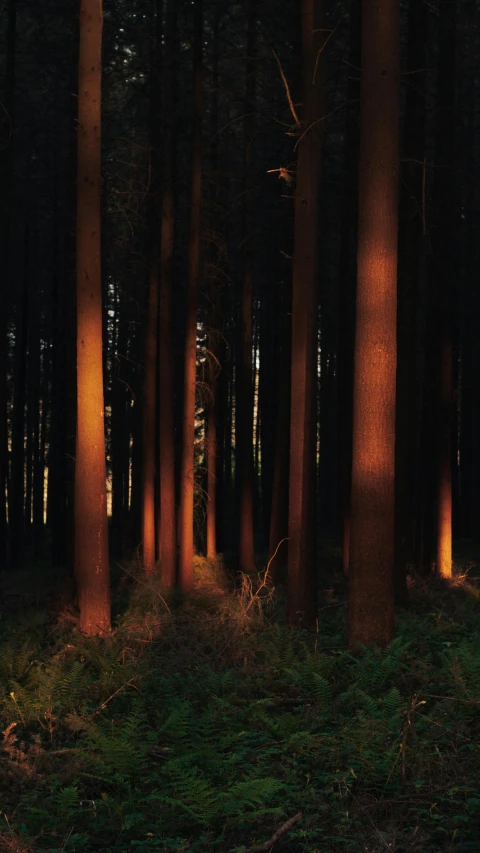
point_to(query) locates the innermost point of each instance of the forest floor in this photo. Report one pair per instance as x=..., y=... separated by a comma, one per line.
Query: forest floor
x=211, y=727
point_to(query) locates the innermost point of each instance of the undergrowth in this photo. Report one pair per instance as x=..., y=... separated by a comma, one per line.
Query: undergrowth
x=206, y=727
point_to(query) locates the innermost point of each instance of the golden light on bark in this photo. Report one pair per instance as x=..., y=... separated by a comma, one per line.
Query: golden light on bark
x=90, y=513
x=371, y=614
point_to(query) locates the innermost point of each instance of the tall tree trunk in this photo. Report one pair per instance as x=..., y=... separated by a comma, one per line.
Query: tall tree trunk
x=370, y=611
x=211, y=446
x=411, y=237
x=91, y=532
x=149, y=421
x=302, y=580
x=120, y=453
x=347, y=285
x=187, y=474
x=245, y=393
x=6, y=150
x=167, y=525
x=443, y=270
x=151, y=332
x=40, y=436
x=16, y=503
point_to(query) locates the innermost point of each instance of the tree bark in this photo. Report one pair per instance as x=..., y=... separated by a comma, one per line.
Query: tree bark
x=371, y=611
x=302, y=581
x=91, y=533
x=411, y=239
x=6, y=152
x=187, y=476
x=245, y=393
x=443, y=270
x=167, y=524
x=347, y=285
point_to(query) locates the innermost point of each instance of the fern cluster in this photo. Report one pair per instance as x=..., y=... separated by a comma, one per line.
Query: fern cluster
x=109, y=746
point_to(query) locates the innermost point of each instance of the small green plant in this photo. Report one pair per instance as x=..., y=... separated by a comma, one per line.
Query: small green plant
x=212, y=728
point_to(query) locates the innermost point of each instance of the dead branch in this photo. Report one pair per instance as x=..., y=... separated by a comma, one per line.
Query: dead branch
x=267, y=845
x=287, y=90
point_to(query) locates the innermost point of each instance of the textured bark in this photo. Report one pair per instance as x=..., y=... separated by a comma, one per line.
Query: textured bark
x=347, y=285
x=411, y=238
x=302, y=591
x=245, y=392
x=149, y=422
x=279, y=504
x=16, y=503
x=120, y=452
x=370, y=611
x=443, y=271
x=6, y=150
x=91, y=533
x=187, y=474
x=167, y=526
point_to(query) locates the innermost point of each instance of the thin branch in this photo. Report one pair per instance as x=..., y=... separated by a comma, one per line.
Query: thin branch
x=287, y=90
x=267, y=845
x=322, y=48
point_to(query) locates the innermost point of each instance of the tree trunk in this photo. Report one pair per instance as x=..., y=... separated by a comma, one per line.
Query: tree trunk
x=91, y=532
x=167, y=525
x=6, y=151
x=371, y=611
x=149, y=421
x=443, y=270
x=411, y=238
x=16, y=503
x=347, y=286
x=187, y=476
x=245, y=393
x=302, y=580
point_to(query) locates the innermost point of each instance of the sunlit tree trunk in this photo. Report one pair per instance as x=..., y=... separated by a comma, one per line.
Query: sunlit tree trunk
x=187, y=474
x=245, y=392
x=91, y=534
x=302, y=592
x=167, y=525
x=149, y=422
x=371, y=612
x=443, y=270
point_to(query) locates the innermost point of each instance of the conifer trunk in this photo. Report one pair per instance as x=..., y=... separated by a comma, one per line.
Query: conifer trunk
x=411, y=237
x=149, y=422
x=443, y=270
x=167, y=525
x=6, y=151
x=370, y=612
x=245, y=393
x=187, y=474
x=302, y=591
x=91, y=534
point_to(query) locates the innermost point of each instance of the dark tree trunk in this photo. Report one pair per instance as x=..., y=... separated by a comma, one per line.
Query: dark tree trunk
x=411, y=238
x=302, y=585
x=443, y=272
x=245, y=390
x=6, y=159
x=167, y=525
x=187, y=476
x=347, y=285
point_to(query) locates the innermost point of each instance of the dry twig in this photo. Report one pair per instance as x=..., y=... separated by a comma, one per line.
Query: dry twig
x=267, y=845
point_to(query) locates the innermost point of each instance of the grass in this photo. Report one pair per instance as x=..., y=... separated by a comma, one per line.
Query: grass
x=208, y=727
